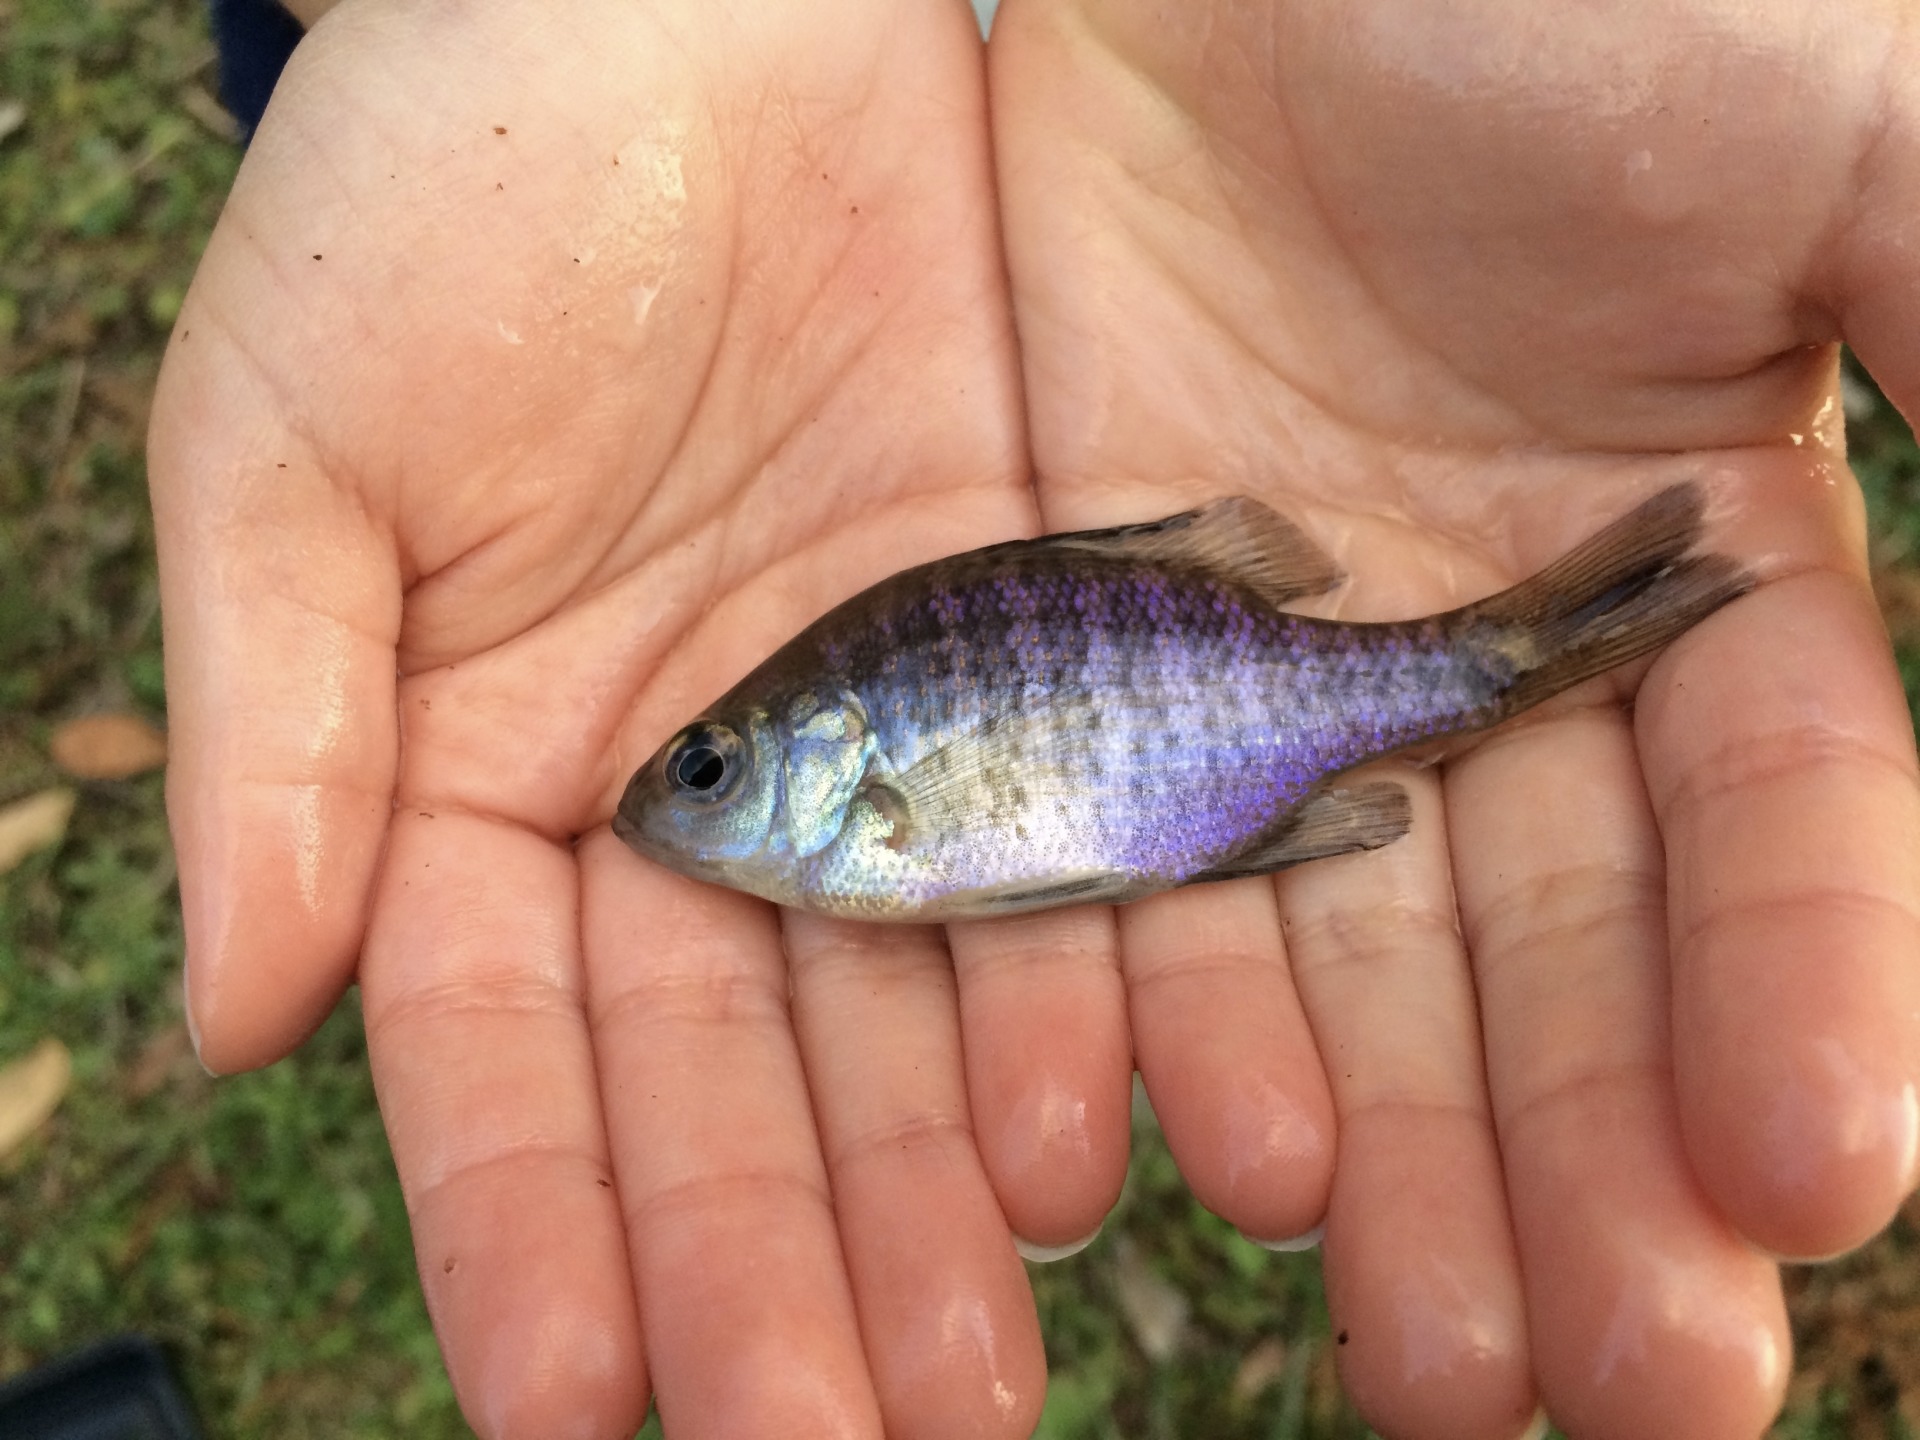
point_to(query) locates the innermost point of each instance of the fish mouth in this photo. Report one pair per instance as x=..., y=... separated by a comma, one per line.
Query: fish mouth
x=626, y=829
x=638, y=838
x=635, y=837
x=626, y=821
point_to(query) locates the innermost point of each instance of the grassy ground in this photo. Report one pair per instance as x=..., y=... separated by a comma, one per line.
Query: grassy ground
x=255, y=1224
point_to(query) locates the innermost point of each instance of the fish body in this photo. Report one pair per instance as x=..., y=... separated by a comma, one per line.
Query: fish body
x=1101, y=715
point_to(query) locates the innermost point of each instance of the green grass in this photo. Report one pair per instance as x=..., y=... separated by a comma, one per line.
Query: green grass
x=1887, y=462
x=255, y=1224
x=1248, y=1306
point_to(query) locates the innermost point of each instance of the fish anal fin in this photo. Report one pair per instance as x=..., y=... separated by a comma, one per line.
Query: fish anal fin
x=1235, y=539
x=1080, y=887
x=1339, y=821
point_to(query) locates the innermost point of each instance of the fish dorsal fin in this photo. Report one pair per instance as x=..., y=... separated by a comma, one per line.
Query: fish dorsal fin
x=1334, y=822
x=1236, y=539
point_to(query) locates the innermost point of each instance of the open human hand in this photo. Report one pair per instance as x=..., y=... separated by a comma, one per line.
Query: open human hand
x=1453, y=286
x=603, y=349
x=545, y=370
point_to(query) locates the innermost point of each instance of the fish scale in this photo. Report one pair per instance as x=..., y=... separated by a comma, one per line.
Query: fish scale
x=1175, y=674
x=1104, y=714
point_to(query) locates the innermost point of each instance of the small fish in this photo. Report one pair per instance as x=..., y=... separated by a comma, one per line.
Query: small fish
x=1101, y=715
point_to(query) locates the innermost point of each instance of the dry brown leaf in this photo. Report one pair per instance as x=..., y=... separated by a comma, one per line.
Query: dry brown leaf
x=125, y=390
x=30, y=824
x=157, y=1060
x=108, y=747
x=30, y=1091
x=1155, y=1311
x=1259, y=1368
x=199, y=103
x=1898, y=590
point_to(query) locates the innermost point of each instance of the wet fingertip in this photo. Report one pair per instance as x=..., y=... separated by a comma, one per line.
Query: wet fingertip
x=1817, y=1181
x=1047, y=1254
x=1290, y=1245
x=574, y=1385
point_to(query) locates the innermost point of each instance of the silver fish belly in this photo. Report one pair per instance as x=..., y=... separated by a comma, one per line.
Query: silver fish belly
x=1102, y=715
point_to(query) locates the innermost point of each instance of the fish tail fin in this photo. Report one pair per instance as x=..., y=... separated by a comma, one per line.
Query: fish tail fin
x=1624, y=593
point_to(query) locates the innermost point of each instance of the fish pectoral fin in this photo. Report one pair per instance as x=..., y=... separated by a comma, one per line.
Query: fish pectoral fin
x=1236, y=539
x=1334, y=822
x=1080, y=887
x=999, y=767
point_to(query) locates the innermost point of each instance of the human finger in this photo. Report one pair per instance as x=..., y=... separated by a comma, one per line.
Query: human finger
x=1227, y=1057
x=1049, y=1069
x=1785, y=783
x=949, y=1323
x=474, y=952
x=282, y=602
x=749, y=1318
x=1649, y=1315
x=1423, y=1282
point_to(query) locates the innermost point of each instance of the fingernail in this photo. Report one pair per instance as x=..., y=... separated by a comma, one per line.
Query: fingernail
x=1292, y=1244
x=1047, y=1254
x=193, y=1023
x=1910, y=1113
x=1825, y=1257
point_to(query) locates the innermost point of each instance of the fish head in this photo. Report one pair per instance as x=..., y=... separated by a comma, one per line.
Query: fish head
x=747, y=793
x=707, y=800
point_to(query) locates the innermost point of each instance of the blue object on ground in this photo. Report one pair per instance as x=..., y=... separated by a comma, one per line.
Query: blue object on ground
x=255, y=38
x=120, y=1389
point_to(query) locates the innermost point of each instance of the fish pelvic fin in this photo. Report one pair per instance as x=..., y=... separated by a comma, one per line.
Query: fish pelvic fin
x=1624, y=593
x=1340, y=821
x=1236, y=539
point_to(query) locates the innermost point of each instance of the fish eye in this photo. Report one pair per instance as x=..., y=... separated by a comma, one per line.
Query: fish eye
x=700, y=768
x=704, y=763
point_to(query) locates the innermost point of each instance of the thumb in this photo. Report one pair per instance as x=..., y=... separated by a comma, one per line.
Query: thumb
x=281, y=598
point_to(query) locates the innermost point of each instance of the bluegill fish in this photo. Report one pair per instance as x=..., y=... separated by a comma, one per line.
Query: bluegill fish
x=1101, y=715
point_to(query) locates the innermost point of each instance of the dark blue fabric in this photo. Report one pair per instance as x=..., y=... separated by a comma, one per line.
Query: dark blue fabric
x=255, y=38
